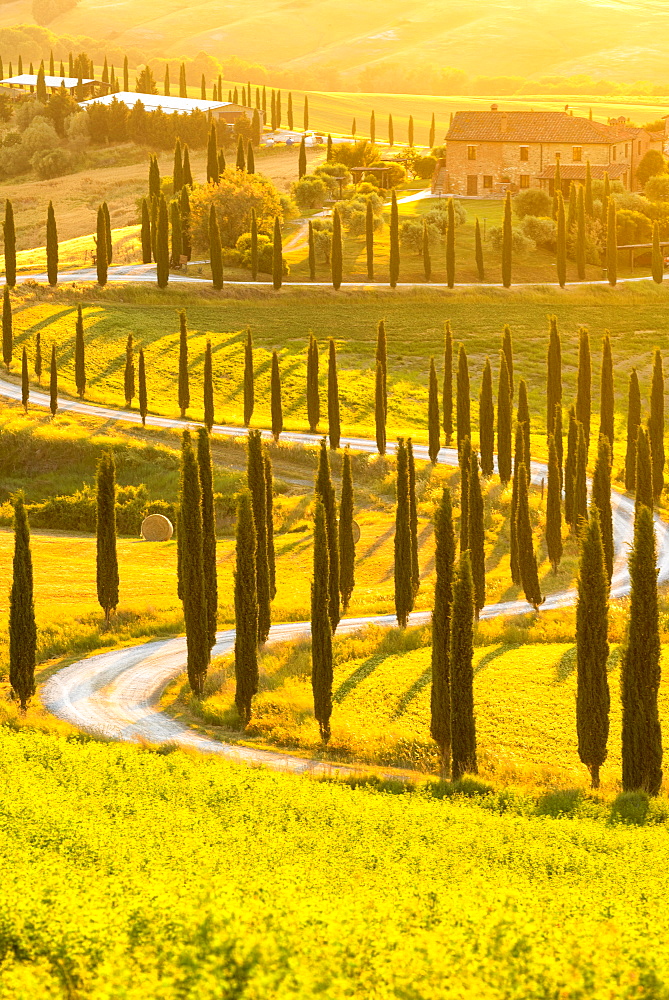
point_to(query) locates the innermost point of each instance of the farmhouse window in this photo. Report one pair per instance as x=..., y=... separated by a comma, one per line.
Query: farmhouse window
x=471, y=152
x=576, y=153
x=626, y=152
x=487, y=181
x=524, y=180
x=639, y=150
x=615, y=153
x=524, y=152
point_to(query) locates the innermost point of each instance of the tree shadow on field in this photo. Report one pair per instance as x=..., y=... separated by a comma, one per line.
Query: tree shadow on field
x=491, y=655
x=422, y=681
x=48, y=321
x=366, y=668
x=376, y=544
x=566, y=665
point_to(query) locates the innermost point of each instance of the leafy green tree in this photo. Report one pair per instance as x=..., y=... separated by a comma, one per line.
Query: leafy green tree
x=80, y=355
x=478, y=252
x=276, y=407
x=394, y=242
x=404, y=597
x=51, y=247
x=184, y=387
x=607, y=396
x=656, y=425
x=504, y=421
x=463, y=723
x=326, y=494
x=107, y=561
x=434, y=444
x=440, y=696
x=507, y=242
x=53, y=383
x=143, y=398
x=584, y=383
x=601, y=501
x=476, y=533
x=25, y=380
x=321, y=634
x=346, y=536
x=208, y=532
x=337, y=254
x=101, y=248
x=9, y=231
x=464, y=428
x=334, y=421
x=487, y=422
x=592, y=652
x=246, y=610
x=313, y=396
x=553, y=376
x=258, y=490
x=633, y=422
x=249, y=390
x=651, y=164
x=561, y=242
x=553, y=508
x=277, y=256
x=22, y=627
x=527, y=560
x=208, y=388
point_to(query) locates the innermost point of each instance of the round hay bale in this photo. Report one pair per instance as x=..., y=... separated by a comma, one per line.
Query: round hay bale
x=157, y=528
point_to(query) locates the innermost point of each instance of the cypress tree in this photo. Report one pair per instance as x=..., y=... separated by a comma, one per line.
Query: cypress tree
x=208, y=532
x=382, y=359
x=305, y=116
x=394, y=242
x=258, y=489
x=507, y=242
x=527, y=560
x=553, y=508
x=177, y=245
x=101, y=248
x=588, y=190
x=290, y=111
x=640, y=674
x=553, y=376
x=447, y=391
x=612, y=244
x=403, y=581
x=487, y=422
x=656, y=425
x=346, y=538
x=413, y=519
x=440, y=695
x=302, y=159
x=557, y=436
x=276, y=408
x=188, y=176
x=369, y=240
x=326, y=494
x=580, y=235
x=154, y=178
x=328, y=154
x=7, y=328
x=391, y=132
x=254, y=244
x=633, y=421
x=79, y=355
x=184, y=388
x=203, y=89
x=334, y=423
x=25, y=380
x=601, y=501
x=605, y=198
x=208, y=388
x=167, y=81
x=463, y=724
x=584, y=383
x=312, y=252
x=143, y=399
x=465, y=463
x=434, y=444
x=557, y=180
x=215, y=250
x=658, y=258
x=51, y=247
x=178, y=169
x=129, y=371
x=504, y=421
x=478, y=252
x=163, y=245
x=107, y=562
x=241, y=159
x=513, y=517
x=321, y=633
x=507, y=347
x=277, y=256
x=256, y=130
x=411, y=131
x=580, y=482
x=372, y=128
x=433, y=127
x=523, y=417
x=561, y=250
x=379, y=411
x=450, y=245
x=592, y=652
x=427, y=260
x=22, y=627
x=194, y=596
x=464, y=429
x=38, y=356
x=249, y=391
x=337, y=255
x=10, y=244
x=278, y=108
x=147, y=254
x=53, y=383
x=606, y=399
x=213, y=175
x=108, y=232
x=269, y=506
x=570, y=468
x=476, y=533
x=644, y=471
x=313, y=395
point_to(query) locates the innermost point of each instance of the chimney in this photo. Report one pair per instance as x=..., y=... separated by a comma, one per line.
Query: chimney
x=493, y=107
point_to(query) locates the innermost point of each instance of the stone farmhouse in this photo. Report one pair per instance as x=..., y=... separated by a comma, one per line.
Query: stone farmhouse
x=491, y=152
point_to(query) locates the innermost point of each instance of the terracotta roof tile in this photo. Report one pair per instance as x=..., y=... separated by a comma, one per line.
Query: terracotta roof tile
x=577, y=171
x=531, y=126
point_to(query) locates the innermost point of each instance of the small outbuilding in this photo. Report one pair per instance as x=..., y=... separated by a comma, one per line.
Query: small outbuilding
x=26, y=83
x=223, y=111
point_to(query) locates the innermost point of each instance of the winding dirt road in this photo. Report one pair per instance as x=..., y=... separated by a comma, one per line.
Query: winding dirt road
x=116, y=693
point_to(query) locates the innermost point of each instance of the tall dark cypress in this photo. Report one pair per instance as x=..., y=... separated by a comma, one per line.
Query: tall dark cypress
x=606, y=396
x=487, y=422
x=403, y=587
x=476, y=533
x=321, y=633
x=553, y=508
x=561, y=252
x=434, y=444
x=147, y=252
x=208, y=388
x=527, y=560
x=107, y=561
x=337, y=254
x=25, y=380
x=656, y=425
x=269, y=507
x=463, y=723
x=163, y=245
x=254, y=244
x=504, y=421
x=312, y=252
x=507, y=347
x=580, y=235
x=633, y=421
x=559, y=444
x=413, y=519
x=313, y=394
x=658, y=257
x=184, y=208
x=507, y=242
x=369, y=240
x=302, y=159
x=326, y=494
x=334, y=421
x=51, y=246
x=241, y=159
x=80, y=355
x=277, y=256
x=463, y=415
x=176, y=239
x=246, y=610
x=208, y=532
x=346, y=536
x=513, y=516
x=53, y=383
x=478, y=252
x=601, y=501
x=394, y=242
x=101, y=248
x=9, y=232
x=249, y=390
x=447, y=390
x=580, y=481
x=427, y=260
x=440, y=695
x=178, y=169
x=553, y=375
x=382, y=359
x=465, y=464
x=275, y=392
x=612, y=243
x=640, y=674
x=644, y=470
x=379, y=411
x=184, y=388
x=213, y=175
x=215, y=251
x=450, y=245
x=584, y=383
x=129, y=372
x=523, y=417
x=143, y=398
x=592, y=652
x=258, y=489
x=108, y=232
x=22, y=627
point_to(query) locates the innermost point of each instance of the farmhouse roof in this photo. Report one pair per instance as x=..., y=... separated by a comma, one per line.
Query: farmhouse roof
x=577, y=171
x=531, y=126
x=170, y=105
x=30, y=80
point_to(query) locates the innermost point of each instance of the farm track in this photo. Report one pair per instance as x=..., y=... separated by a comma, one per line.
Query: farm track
x=115, y=694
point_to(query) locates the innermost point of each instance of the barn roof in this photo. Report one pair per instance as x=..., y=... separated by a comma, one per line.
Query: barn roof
x=170, y=105
x=30, y=80
x=532, y=126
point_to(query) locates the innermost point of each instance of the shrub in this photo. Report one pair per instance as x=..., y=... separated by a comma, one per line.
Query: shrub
x=233, y=198
x=651, y=164
x=411, y=236
x=359, y=154
x=542, y=231
x=310, y=192
x=438, y=216
x=657, y=188
x=265, y=253
x=396, y=174
x=633, y=227
x=522, y=244
x=322, y=229
x=533, y=201
x=630, y=807
x=52, y=163
x=560, y=803
x=424, y=167
x=39, y=137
